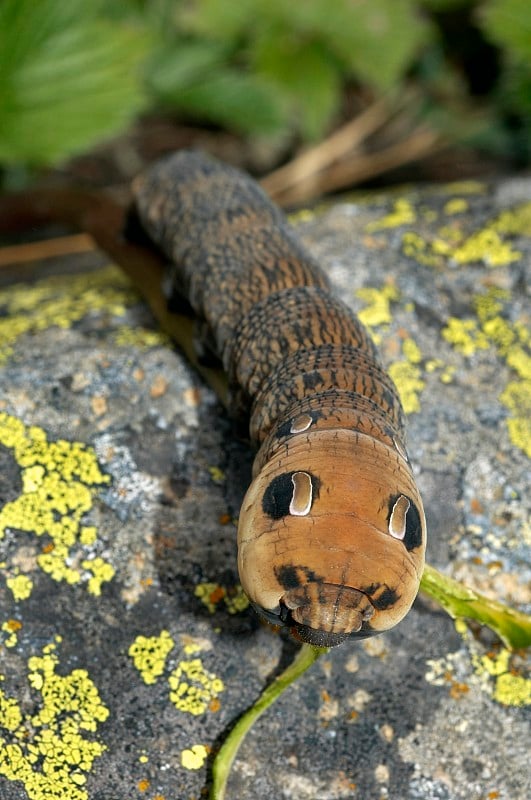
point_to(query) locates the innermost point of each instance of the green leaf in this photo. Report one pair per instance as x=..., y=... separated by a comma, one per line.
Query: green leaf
x=220, y=19
x=230, y=97
x=508, y=23
x=180, y=64
x=444, y=5
x=68, y=78
x=307, y=74
x=377, y=39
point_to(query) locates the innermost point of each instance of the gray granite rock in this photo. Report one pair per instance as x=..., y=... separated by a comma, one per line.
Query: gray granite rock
x=126, y=651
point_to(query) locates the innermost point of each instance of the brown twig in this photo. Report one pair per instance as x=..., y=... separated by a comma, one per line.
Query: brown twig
x=350, y=171
x=344, y=140
x=45, y=248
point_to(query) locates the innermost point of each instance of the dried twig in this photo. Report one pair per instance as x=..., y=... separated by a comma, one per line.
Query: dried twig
x=46, y=248
x=344, y=140
x=348, y=172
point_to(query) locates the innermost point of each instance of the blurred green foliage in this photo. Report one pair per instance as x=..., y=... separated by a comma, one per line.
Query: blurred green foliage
x=68, y=77
x=73, y=73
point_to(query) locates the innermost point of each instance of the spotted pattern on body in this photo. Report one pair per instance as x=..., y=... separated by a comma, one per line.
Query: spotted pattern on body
x=331, y=535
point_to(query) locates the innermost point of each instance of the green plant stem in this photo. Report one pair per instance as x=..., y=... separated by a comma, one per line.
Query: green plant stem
x=458, y=600
x=304, y=659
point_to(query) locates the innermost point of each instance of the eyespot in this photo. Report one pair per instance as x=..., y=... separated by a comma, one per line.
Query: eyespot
x=404, y=522
x=397, y=519
x=301, y=424
x=386, y=599
x=290, y=493
x=301, y=500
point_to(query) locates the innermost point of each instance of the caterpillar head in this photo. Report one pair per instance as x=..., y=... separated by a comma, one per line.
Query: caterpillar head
x=331, y=537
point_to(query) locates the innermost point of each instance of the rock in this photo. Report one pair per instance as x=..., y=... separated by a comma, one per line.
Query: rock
x=127, y=651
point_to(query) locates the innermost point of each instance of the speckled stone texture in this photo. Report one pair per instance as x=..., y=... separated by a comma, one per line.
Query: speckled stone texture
x=126, y=650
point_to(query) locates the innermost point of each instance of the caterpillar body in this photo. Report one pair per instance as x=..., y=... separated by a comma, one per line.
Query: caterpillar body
x=332, y=533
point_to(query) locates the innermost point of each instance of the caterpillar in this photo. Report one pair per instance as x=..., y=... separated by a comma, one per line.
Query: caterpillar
x=332, y=532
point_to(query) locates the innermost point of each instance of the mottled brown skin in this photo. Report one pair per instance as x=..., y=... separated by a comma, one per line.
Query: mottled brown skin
x=332, y=534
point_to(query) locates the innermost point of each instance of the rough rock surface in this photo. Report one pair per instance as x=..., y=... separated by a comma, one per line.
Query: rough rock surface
x=126, y=650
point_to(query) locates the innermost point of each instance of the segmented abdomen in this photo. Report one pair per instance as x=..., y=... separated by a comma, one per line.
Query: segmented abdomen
x=310, y=375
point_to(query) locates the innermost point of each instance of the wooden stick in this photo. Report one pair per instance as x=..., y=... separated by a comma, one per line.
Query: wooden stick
x=317, y=158
x=46, y=248
x=360, y=167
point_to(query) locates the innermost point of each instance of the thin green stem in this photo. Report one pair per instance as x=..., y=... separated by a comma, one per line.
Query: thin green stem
x=513, y=627
x=304, y=659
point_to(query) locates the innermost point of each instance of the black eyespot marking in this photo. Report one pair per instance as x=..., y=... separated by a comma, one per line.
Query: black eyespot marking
x=291, y=577
x=387, y=599
x=413, y=534
x=288, y=577
x=279, y=494
x=413, y=537
x=284, y=430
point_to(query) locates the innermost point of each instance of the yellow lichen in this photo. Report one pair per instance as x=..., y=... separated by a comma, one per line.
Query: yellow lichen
x=59, y=481
x=88, y=535
x=464, y=187
x=516, y=397
x=212, y=594
x=490, y=303
x=217, y=474
x=415, y=246
x=60, y=301
x=378, y=309
x=512, y=690
x=406, y=373
x=102, y=572
x=194, y=757
x=440, y=247
x=48, y=751
x=510, y=340
x=447, y=371
x=403, y=213
x=408, y=380
x=487, y=246
x=236, y=600
x=412, y=351
x=447, y=374
x=492, y=673
x=149, y=654
x=11, y=627
x=407, y=376
x=193, y=688
x=509, y=689
x=456, y=205
x=465, y=336
x=20, y=586
x=515, y=221
x=450, y=234
x=142, y=338
x=209, y=594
